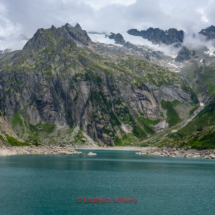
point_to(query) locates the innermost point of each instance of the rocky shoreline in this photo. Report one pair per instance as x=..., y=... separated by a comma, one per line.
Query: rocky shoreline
x=41, y=150
x=68, y=149
x=183, y=153
x=62, y=149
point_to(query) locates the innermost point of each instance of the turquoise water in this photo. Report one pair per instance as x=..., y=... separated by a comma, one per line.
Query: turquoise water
x=43, y=184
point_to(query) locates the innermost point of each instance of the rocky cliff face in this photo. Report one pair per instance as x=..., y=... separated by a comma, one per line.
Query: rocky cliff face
x=58, y=84
x=157, y=36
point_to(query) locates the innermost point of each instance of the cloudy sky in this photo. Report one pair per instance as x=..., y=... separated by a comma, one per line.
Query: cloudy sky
x=19, y=17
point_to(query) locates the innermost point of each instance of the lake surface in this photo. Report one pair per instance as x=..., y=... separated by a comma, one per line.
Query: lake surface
x=44, y=184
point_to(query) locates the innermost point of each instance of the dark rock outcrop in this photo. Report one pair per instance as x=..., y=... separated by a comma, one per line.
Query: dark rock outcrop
x=117, y=37
x=183, y=55
x=78, y=26
x=78, y=35
x=209, y=32
x=157, y=36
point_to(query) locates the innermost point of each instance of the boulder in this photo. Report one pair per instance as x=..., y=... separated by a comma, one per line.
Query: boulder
x=91, y=154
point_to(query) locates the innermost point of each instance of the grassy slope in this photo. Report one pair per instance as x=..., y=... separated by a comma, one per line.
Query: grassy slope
x=199, y=133
x=172, y=116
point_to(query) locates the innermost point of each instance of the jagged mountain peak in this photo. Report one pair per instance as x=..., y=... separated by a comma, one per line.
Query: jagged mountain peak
x=45, y=38
x=78, y=34
x=157, y=35
x=68, y=25
x=52, y=37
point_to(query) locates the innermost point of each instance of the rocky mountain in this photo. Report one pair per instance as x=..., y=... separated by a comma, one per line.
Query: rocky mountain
x=209, y=32
x=157, y=36
x=62, y=88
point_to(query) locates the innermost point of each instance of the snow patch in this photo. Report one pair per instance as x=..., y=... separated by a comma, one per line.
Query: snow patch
x=101, y=38
x=210, y=52
x=173, y=65
x=168, y=50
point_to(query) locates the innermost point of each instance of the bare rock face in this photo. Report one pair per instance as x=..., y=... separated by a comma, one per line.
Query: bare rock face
x=170, y=93
x=147, y=103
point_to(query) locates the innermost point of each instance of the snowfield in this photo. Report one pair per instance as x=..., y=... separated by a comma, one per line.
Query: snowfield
x=168, y=50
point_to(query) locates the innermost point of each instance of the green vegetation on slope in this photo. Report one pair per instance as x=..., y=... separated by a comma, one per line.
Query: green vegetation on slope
x=14, y=142
x=17, y=120
x=198, y=134
x=172, y=116
x=205, y=118
x=201, y=141
x=31, y=132
x=148, y=124
x=47, y=128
